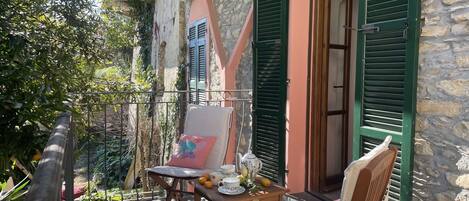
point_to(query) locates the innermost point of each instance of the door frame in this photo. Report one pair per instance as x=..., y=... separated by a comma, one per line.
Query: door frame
x=318, y=92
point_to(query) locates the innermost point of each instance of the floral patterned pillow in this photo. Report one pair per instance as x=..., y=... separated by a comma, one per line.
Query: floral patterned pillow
x=192, y=151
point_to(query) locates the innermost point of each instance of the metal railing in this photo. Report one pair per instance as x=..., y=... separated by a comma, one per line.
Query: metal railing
x=116, y=135
x=47, y=182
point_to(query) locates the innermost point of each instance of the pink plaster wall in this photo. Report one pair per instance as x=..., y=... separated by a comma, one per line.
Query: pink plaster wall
x=297, y=73
x=198, y=10
x=205, y=9
x=296, y=97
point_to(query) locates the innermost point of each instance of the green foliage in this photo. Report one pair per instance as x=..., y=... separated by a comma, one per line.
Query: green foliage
x=117, y=160
x=181, y=82
x=119, y=32
x=181, y=104
x=16, y=193
x=116, y=194
x=47, y=49
x=142, y=11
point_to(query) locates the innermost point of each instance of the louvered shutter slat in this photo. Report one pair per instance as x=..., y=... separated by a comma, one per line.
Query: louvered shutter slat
x=270, y=86
x=386, y=84
x=197, y=56
x=201, y=68
x=192, y=63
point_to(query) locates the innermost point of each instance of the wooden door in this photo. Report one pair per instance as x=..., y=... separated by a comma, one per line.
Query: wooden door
x=330, y=94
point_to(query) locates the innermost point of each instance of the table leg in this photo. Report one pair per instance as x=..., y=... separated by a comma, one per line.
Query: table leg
x=197, y=196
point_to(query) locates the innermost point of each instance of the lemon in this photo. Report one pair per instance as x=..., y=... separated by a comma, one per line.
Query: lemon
x=266, y=182
x=244, y=171
x=242, y=179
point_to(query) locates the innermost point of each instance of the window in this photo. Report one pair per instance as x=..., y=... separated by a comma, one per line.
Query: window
x=197, y=61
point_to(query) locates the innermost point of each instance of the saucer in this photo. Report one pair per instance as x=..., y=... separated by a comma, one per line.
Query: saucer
x=225, y=191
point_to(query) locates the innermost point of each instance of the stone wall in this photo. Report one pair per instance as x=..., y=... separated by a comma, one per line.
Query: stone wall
x=231, y=16
x=441, y=168
x=244, y=77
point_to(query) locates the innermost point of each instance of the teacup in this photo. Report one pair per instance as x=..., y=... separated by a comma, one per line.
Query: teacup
x=231, y=183
x=228, y=169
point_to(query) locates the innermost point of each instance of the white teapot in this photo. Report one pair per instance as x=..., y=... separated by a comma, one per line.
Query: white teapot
x=252, y=164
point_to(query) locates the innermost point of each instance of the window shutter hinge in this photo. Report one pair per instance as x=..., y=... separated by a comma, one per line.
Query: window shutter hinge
x=422, y=24
x=253, y=45
x=288, y=82
x=404, y=32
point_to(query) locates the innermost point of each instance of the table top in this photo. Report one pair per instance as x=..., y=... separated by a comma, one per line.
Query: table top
x=213, y=194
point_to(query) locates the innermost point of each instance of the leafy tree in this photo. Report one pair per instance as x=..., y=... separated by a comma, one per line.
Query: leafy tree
x=118, y=34
x=48, y=48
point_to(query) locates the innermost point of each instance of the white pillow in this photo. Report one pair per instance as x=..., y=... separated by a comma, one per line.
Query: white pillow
x=352, y=171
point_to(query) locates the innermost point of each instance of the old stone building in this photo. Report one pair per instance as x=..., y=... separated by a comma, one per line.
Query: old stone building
x=439, y=146
x=224, y=57
x=441, y=169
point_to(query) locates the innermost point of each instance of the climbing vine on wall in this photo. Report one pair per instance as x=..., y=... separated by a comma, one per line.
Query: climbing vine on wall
x=181, y=85
x=142, y=11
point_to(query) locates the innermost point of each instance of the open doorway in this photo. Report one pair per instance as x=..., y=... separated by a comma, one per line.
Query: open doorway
x=331, y=85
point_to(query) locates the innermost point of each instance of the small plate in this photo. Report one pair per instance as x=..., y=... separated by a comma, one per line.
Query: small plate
x=225, y=191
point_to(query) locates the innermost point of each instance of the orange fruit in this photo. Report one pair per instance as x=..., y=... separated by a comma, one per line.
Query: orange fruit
x=37, y=156
x=266, y=182
x=208, y=184
x=206, y=175
x=202, y=180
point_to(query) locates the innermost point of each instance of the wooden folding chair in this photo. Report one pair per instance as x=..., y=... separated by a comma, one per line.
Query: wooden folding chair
x=373, y=180
x=202, y=121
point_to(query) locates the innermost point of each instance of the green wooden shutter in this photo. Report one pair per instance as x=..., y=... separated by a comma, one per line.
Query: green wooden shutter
x=202, y=65
x=386, y=83
x=192, y=62
x=197, y=59
x=269, y=94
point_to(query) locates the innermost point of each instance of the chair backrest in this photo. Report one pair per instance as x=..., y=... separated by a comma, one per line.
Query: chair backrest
x=373, y=180
x=210, y=121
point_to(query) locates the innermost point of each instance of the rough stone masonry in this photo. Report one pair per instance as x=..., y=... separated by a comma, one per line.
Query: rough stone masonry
x=232, y=15
x=441, y=167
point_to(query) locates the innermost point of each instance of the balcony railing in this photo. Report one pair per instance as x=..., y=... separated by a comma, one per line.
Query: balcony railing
x=115, y=135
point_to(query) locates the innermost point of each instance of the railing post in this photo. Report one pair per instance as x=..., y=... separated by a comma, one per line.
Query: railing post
x=47, y=182
x=68, y=168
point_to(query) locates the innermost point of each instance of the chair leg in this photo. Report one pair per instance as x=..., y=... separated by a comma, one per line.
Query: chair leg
x=170, y=190
x=160, y=181
x=175, y=194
